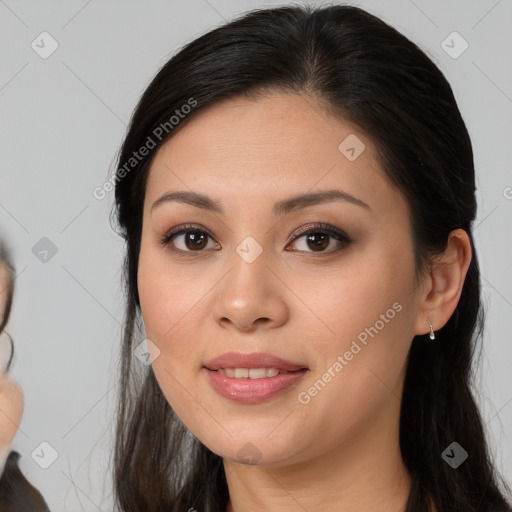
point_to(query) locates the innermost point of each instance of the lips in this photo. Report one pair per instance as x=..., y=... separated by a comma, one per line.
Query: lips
x=253, y=360
x=252, y=378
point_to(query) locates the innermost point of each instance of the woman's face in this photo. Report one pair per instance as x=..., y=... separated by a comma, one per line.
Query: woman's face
x=252, y=282
x=11, y=394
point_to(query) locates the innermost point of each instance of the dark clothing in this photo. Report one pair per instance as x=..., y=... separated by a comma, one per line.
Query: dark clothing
x=16, y=493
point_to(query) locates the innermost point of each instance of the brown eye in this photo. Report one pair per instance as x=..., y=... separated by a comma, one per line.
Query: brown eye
x=318, y=241
x=319, y=237
x=188, y=239
x=194, y=240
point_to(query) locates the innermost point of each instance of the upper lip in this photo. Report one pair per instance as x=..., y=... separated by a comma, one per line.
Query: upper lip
x=252, y=360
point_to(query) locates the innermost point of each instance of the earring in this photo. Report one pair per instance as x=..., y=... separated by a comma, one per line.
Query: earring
x=432, y=335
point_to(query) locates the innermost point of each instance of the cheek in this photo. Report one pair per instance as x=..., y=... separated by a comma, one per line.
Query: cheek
x=362, y=294
x=172, y=306
x=165, y=302
x=167, y=305
x=167, y=297
x=359, y=375
x=360, y=362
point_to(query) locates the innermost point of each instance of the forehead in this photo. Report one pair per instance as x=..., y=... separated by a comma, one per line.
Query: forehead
x=245, y=149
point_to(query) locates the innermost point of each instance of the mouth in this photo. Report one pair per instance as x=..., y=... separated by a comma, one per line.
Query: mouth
x=252, y=363
x=253, y=373
x=252, y=378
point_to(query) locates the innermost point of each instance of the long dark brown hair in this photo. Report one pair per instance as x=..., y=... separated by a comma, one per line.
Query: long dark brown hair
x=358, y=67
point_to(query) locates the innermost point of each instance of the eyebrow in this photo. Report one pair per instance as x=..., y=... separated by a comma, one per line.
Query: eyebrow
x=280, y=208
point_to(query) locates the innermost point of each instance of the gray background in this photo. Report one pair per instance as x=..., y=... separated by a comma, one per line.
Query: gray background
x=63, y=119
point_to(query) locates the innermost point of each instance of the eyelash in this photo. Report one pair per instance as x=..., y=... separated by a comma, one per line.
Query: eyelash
x=318, y=228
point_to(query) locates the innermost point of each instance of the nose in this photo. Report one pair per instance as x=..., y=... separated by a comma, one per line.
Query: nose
x=251, y=296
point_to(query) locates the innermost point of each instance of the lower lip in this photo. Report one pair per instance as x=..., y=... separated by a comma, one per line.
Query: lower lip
x=252, y=391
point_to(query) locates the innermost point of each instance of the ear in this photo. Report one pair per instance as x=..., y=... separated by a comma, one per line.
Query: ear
x=443, y=286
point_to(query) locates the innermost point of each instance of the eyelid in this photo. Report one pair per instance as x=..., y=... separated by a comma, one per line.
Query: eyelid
x=185, y=228
x=314, y=227
x=181, y=229
x=319, y=227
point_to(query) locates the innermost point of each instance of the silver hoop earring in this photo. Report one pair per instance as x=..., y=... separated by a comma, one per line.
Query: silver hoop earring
x=432, y=335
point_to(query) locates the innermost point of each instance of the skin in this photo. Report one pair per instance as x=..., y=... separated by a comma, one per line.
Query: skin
x=11, y=394
x=339, y=451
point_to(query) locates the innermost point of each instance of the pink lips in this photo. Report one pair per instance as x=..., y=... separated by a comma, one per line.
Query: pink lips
x=254, y=360
x=250, y=391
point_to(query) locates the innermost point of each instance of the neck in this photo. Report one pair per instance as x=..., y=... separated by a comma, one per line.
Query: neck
x=363, y=473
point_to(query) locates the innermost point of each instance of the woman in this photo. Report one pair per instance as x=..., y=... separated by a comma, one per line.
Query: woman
x=296, y=191
x=11, y=395
x=17, y=494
